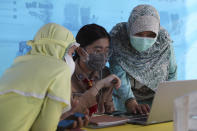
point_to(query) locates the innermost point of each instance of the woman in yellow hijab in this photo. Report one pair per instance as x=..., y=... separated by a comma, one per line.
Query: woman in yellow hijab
x=36, y=89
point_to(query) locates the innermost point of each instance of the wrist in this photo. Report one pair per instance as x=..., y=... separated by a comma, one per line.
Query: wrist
x=128, y=101
x=99, y=85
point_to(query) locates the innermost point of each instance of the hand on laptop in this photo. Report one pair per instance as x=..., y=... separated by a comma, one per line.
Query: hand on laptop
x=79, y=123
x=134, y=107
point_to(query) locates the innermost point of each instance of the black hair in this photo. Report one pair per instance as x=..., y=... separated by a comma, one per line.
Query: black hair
x=89, y=34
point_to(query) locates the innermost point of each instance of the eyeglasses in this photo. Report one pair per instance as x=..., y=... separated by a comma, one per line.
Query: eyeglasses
x=107, y=53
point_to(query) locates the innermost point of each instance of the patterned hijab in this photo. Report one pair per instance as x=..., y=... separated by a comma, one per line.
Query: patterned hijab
x=149, y=67
x=143, y=18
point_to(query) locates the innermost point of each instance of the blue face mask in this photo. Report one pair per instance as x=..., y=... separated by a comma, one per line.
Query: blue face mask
x=142, y=43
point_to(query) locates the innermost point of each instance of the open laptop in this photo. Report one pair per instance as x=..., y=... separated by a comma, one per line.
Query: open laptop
x=163, y=103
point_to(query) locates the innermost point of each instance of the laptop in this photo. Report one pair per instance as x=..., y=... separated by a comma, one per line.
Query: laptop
x=163, y=102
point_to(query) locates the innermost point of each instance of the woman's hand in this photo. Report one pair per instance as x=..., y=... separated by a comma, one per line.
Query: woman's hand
x=79, y=123
x=134, y=107
x=109, y=81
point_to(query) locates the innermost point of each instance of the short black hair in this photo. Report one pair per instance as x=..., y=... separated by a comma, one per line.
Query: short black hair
x=90, y=33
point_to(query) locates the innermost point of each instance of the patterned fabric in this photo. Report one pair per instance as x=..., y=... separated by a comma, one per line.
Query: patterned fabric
x=143, y=18
x=121, y=95
x=141, y=71
x=149, y=67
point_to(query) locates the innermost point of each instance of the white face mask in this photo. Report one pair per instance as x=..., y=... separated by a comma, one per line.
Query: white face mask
x=69, y=60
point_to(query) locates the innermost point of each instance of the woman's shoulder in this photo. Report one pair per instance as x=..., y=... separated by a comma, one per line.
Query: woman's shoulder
x=118, y=28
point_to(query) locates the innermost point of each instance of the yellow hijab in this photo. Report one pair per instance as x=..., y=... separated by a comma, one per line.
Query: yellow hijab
x=42, y=72
x=51, y=40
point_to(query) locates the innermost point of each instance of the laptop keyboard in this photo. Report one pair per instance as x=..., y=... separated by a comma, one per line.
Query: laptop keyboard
x=141, y=118
x=137, y=116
